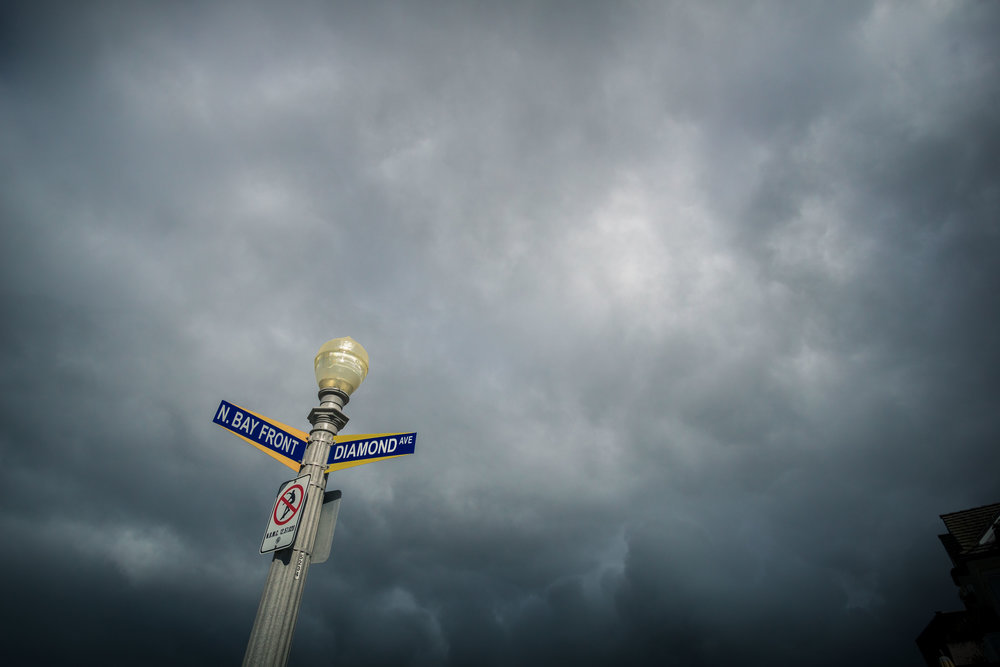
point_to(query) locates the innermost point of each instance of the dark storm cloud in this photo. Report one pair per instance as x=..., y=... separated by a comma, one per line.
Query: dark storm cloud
x=692, y=307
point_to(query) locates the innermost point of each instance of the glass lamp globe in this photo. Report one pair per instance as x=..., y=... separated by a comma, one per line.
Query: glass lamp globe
x=341, y=364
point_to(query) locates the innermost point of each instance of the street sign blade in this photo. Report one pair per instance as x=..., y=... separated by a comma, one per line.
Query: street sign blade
x=280, y=441
x=288, y=445
x=327, y=523
x=356, y=450
x=283, y=524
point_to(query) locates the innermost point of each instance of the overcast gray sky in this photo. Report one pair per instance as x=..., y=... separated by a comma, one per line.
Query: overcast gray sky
x=693, y=306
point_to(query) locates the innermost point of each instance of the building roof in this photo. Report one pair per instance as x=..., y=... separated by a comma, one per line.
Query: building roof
x=969, y=526
x=949, y=626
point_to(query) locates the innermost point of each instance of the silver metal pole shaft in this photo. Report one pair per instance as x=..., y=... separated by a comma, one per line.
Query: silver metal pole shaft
x=271, y=637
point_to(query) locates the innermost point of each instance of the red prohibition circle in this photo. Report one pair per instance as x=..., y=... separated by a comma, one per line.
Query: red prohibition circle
x=282, y=502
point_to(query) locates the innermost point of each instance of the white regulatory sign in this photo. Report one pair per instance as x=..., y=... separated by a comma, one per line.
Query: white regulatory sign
x=284, y=520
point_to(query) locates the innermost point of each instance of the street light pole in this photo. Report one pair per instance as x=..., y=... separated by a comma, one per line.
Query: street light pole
x=341, y=365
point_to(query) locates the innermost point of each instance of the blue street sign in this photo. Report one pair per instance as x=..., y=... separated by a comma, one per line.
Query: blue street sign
x=355, y=450
x=287, y=444
x=284, y=443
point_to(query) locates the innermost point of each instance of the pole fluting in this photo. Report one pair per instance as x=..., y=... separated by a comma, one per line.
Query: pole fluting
x=271, y=636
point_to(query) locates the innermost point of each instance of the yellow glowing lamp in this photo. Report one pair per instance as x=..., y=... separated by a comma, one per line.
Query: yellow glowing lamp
x=341, y=364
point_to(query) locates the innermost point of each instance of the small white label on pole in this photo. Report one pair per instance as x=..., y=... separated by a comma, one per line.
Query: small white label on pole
x=283, y=523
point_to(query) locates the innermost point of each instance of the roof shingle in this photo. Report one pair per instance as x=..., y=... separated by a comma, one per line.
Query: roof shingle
x=968, y=526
